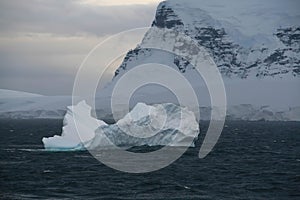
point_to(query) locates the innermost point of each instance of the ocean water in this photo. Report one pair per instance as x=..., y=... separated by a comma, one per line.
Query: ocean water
x=252, y=160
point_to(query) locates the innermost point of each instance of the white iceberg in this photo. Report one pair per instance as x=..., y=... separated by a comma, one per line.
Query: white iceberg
x=69, y=138
x=155, y=125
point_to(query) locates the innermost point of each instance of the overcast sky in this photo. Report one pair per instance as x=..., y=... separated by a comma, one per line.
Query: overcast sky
x=43, y=42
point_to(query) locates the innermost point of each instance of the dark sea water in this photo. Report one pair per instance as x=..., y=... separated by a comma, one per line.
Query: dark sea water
x=252, y=160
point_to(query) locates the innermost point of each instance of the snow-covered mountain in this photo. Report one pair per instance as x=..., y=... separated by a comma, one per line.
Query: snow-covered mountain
x=258, y=38
x=255, y=45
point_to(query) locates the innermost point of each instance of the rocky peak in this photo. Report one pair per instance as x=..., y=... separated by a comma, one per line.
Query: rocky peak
x=165, y=17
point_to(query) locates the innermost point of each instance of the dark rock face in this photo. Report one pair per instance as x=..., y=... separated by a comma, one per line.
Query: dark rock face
x=217, y=44
x=181, y=63
x=166, y=18
x=290, y=36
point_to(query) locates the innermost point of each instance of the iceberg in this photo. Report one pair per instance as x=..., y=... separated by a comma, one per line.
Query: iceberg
x=146, y=125
x=70, y=139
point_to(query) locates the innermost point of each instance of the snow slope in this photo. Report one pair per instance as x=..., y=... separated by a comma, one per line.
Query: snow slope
x=8, y=94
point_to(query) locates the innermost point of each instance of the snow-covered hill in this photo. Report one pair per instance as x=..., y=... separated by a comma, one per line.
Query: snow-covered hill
x=17, y=104
x=4, y=94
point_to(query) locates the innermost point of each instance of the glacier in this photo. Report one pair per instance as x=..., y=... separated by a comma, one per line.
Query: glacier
x=146, y=125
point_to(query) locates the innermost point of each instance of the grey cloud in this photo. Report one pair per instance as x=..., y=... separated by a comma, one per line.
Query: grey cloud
x=42, y=42
x=69, y=17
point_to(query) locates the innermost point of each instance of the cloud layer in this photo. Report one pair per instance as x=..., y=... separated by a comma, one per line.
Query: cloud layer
x=69, y=17
x=42, y=43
